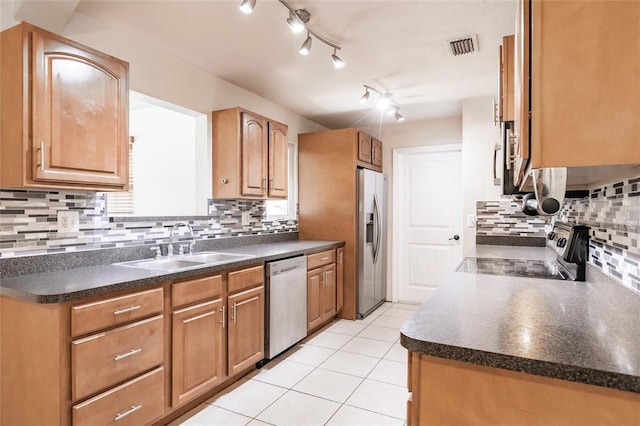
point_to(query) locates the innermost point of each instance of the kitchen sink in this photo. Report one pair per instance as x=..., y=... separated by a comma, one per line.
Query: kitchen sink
x=187, y=261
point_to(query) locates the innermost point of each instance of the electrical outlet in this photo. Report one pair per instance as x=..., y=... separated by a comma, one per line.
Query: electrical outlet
x=68, y=221
x=246, y=217
x=471, y=220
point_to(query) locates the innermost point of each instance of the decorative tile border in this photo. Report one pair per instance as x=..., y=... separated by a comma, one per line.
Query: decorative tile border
x=28, y=223
x=505, y=218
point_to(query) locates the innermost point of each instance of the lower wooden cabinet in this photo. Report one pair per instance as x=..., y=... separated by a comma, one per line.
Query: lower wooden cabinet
x=108, y=358
x=448, y=392
x=321, y=289
x=246, y=329
x=314, y=292
x=198, y=348
x=137, y=402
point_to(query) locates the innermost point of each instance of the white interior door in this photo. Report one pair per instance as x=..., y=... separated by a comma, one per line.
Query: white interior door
x=428, y=215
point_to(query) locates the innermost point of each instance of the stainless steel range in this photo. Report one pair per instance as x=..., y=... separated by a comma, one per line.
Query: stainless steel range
x=570, y=243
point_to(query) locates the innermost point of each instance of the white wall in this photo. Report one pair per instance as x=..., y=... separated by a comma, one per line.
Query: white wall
x=403, y=135
x=479, y=136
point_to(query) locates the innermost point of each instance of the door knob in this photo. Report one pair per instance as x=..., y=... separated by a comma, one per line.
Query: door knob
x=455, y=237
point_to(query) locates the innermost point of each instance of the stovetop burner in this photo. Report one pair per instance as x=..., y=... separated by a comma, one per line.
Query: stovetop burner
x=514, y=268
x=569, y=242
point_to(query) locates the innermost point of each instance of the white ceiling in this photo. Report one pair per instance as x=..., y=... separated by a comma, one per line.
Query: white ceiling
x=396, y=46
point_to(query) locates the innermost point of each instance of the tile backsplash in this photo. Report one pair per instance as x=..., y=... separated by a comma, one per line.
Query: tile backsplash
x=28, y=223
x=505, y=218
x=612, y=212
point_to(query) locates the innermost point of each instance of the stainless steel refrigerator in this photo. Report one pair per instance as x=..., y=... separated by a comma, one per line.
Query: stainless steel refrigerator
x=371, y=241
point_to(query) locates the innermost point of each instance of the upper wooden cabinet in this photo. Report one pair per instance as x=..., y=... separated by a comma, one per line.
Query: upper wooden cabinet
x=250, y=157
x=369, y=152
x=505, y=108
x=576, y=65
x=65, y=114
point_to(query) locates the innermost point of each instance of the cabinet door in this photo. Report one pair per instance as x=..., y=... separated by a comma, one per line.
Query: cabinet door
x=80, y=115
x=278, y=160
x=246, y=329
x=521, y=90
x=254, y=155
x=506, y=78
x=340, y=279
x=314, y=298
x=364, y=147
x=376, y=152
x=328, y=292
x=198, y=349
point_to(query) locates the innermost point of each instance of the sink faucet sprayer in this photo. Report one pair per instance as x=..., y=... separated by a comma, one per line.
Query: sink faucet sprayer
x=191, y=244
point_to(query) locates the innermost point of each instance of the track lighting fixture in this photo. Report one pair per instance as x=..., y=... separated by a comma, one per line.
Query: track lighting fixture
x=337, y=60
x=247, y=6
x=385, y=102
x=298, y=22
x=297, y=19
x=306, y=46
x=365, y=97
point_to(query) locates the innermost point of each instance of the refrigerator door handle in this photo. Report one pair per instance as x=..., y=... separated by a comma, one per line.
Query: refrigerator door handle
x=377, y=228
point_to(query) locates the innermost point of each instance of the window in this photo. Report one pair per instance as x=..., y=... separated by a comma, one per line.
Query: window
x=286, y=209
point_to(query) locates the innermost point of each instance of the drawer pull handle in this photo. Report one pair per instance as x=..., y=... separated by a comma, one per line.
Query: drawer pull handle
x=132, y=410
x=127, y=355
x=125, y=310
x=324, y=258
x=223, y=313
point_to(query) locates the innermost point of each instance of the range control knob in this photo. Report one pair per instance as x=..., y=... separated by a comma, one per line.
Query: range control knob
x=551, y=235
x=561, y=242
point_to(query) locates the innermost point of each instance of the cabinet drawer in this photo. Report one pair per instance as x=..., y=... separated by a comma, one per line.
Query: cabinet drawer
x=246, y=278
x=106, y=313
x=196, y=290
x=137, y=402
x=105, y=359
x=320, y=259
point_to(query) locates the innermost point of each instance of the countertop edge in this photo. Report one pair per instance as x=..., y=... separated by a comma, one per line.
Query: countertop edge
x=608, y=379
x=156, y=277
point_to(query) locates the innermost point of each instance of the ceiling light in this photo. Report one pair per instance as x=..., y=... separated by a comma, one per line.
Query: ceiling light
x=306, y=46
x=247, y=6
x=365, y=97
x=385, y=103
x=297, y=20
x=337, y=60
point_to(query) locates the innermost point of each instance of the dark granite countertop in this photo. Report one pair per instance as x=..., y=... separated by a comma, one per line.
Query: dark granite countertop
x=587, y=332
x=74, y=284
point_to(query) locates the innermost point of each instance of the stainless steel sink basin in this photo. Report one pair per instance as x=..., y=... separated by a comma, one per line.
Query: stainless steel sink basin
x=188, y=261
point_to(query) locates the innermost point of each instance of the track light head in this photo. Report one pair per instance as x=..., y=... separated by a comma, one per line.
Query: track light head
x=297, y=20
x=365, y=97
x=384, y=102
x=306, y=46
x=247, y=6
x=337, y=60
x=399, y=117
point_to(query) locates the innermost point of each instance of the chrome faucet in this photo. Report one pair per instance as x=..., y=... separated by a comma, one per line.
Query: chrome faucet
x=191, y=244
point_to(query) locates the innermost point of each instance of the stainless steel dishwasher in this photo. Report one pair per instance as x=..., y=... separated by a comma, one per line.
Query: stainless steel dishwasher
x=286, y=305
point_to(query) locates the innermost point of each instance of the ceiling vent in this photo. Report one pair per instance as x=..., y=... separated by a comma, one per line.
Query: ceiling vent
x=463, y=45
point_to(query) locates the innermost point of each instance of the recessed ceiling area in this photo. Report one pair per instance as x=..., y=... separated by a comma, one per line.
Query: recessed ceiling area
x=399, y=47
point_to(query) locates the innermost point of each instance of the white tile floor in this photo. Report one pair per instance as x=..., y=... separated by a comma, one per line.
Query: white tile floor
x=349, y=373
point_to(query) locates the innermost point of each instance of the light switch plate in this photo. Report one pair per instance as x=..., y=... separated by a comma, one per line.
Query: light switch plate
x=68, y=221
x=471, y=220
x=246, y=217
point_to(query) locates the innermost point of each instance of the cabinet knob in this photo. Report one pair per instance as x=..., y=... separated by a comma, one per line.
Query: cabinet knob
x=224, y=181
